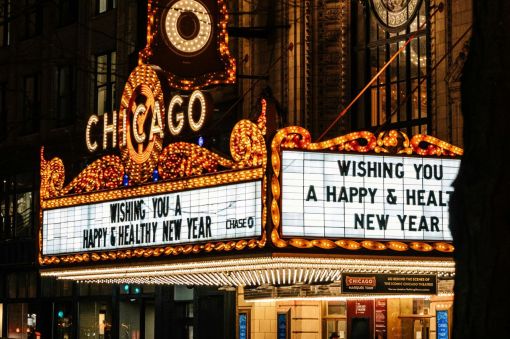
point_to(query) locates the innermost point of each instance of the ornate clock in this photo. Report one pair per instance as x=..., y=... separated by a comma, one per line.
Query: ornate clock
x=394, y=15
x=188, y=40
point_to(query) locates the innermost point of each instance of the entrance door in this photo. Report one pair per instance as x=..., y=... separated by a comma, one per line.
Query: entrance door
x=360, y=319
x=211, y=317
x=360, y=328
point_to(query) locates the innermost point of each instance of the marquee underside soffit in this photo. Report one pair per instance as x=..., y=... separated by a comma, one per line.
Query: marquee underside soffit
x=252, y=271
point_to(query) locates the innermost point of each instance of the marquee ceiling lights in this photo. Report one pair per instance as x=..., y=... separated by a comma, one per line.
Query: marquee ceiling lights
x=343, y=298
x=252, y=271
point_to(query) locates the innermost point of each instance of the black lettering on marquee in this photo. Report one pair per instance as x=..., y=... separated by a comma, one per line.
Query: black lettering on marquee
x=178, y=206
x=161, y=206
x=95, y=238
x=427, y=198
x=343, y=166
x=172, y=230
x=356, y=193
x=371, y=169
x=360, y=220
x=311, y=194
x=330, y=193
x=412, y=224
x=127, y=211
x=428, y=171
x=202, y=230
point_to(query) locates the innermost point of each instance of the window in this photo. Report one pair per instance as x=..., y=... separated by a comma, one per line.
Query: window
x=65, y=91
x=334, y=318
x=22, y=285
x=105, y=5
x=399, y=97
x=67, y=11
x=95, y=320
x=7, y=209
x=5, y=16
x=31, y=104
x=16, y=207
x=105, y=82
x=23, y=219
x=3, y=113
x=22, y=320
x=63, y=326
x=32, y=16
x=56, y=288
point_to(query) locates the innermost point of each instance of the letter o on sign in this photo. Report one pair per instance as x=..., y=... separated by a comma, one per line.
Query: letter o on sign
x=197, y=97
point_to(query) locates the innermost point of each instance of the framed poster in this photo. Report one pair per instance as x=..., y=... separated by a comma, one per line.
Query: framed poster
x=442, y=324
x=283, y=325
x=243, y=324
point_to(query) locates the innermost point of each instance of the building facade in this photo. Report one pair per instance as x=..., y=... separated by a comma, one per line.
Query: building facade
x=64, y=60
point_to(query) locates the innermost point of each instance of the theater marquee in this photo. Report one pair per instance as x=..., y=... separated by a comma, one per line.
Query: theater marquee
x=362, y=191
x=157, y=196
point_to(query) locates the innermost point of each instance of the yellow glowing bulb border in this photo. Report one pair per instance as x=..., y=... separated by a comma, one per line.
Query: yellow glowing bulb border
x=204, y=19
x=389, y=142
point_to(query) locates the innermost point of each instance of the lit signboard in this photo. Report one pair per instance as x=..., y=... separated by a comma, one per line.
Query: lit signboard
x=193, y=216
x=442, y=324
x=330, y=195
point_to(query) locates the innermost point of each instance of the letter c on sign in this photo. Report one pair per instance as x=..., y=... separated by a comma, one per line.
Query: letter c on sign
x=140, y=109
x=93, y=120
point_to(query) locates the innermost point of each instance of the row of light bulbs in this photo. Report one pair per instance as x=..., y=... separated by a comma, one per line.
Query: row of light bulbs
x=252, y=271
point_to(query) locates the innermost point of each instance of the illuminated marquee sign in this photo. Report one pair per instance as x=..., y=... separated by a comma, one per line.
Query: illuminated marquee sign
x=362, y=191
x=356, y=283
x=194, y=216
x=218, y=203
x=366, y=196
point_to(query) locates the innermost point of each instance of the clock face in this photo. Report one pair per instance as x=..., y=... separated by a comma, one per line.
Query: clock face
x=395, y=14
x=187, y=26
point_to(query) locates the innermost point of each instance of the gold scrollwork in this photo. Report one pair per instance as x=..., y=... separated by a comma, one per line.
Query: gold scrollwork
x=388, y=142
x=104, y=173
x=52, y=177
x=428, y=145
x=181, y=160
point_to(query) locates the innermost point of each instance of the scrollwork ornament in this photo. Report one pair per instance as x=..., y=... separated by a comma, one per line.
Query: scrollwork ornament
x=247, y=145
x=395, y=15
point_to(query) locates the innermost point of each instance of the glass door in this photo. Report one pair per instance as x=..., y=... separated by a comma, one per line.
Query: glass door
x=334, y=319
